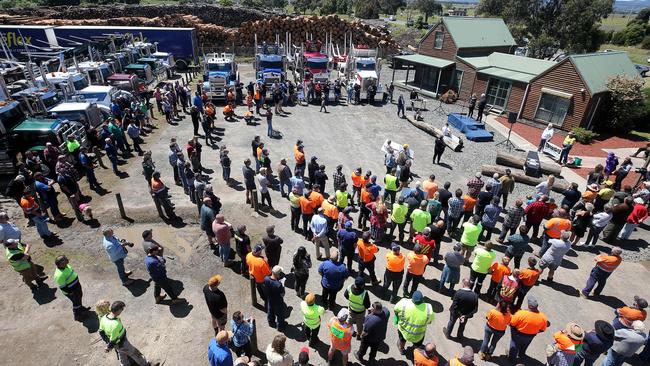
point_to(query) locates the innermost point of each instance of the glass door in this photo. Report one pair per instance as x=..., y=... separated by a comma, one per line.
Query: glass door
x=497, y=92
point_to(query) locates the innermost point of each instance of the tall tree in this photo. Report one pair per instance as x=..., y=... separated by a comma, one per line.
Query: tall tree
x=428, y=8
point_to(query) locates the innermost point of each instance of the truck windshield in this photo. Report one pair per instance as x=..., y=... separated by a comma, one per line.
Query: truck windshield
x=51, y=101
x=10, y=118
x=219, y=67
x=365, y=65
x=80, y=84
x=106, y=72
x=272, y=65
x=78, y=116
x=317, y=65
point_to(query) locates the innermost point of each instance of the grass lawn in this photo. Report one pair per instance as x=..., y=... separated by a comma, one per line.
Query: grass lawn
x=642, y=134
x=616, y=22
x=637, y=55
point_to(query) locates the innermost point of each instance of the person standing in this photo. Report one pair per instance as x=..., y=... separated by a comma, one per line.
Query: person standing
x=622, y=172
x=547, y=135
x=249, y=183
x=628, y=314
x=218, y=351
x=507, y=186
x=401, y=106
x=553, y=256
x=620, y=213
x=117, y=252
x=67, y=281
x=495, y=327
x=417, y=263
x=524, y=326
x=258, y=269
x=512, y=220
x=299, y=156
x=394, y=272
x=463, y=307
x=398, y=218
x=482, y=102
x=340, y=332
x=312, y=314
x=319, y=228
x=595, y=343
x=155, y=264
x=269, y=122
x=471, y=231
x=367, y=251
x=347, y=244
x=275, y=306
x=217, y=303
x=439, y=147
x=471, y=104
x=358, y=303
x=483, y=258
x=112, y=331
x=301, y=266
x=333, y=273
x=425, y=356
x=223, y=233
x=284, y=176
x=451, y=271
x=273, y=246
x=413, y=316
x=626, y=342
x=567, y=144
x=375, y=327
x=535, y=213
x=637, y=216
x=605, y=265
x=206, y=219
x=242, y=331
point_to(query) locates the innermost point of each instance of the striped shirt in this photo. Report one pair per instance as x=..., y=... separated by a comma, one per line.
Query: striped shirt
x=456, y=207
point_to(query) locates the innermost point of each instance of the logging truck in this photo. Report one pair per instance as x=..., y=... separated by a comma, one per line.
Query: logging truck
x=219, y=74
x=270, y=63
x=363, y=67
x=315, y=63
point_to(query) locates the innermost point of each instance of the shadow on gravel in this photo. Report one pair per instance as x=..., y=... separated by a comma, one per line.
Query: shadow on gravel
x=435, y=305
x=568, y=264
x=632, y=245
x=503, y=360
x=181, y=310
x=52, y=241
x=138, y=287
x=611, y=301
x=236, y=185
x=446, y=166
x=91, y=323
x=565, y=289
x=64, y=222
x=176, y=222
x=44, y=294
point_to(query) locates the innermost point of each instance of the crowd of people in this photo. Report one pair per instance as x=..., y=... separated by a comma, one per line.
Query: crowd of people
x=411, y=219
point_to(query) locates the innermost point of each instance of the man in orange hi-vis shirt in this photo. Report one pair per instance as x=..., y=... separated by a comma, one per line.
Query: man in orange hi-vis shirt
x=358, y=182
x=524, y=326
x=367, y=251
x=605, y=265
x=417, y=264
x=299, y=155
x=258, y=268
x=628, y=314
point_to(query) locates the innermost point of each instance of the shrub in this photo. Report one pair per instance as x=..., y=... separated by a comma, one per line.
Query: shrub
x=618, y=38
x=583, y=135
x=645, y=44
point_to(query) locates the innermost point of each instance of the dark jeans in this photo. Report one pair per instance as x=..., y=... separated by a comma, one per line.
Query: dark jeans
x=492, y=290
x=394, y=279
x=453, y=317
x=597, y=276
x=416, y=281
x=295, y=218
x=592, y=236
x=260, y=291
x=476, y=280
x=436, y=156
x=535, y=227
x=165, y=285
x=370, y=266
x=585, y=357
x=521, y=294
x=306, y=230
x=364, y=215
x=75, y=297
x=347, y=256
x=488, y=233
x=452, y=223
x=490, y=339
x=225, y=173
x=266, y=197
x=564, y=154
x=177, y=178
x=400, y=230
x=329, y=297
x=311, y=334
x=275, y=314
x=519, y=343
x=504, y=232
x=245, y=349
x=301, y=283
x=120, y=270
x=391, y=194
x=90, y=175
x=611, y=230
x=113, y=160
x=373, y=349
x=517, y=259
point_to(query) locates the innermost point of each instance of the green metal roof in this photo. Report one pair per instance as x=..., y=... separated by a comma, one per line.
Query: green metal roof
x=136, y=66
x=36, y=124
x=507, y=66
x=596, y=68
x=426, y=60
x=470, y=32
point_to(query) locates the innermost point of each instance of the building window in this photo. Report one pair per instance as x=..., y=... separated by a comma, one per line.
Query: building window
x=552, y=108
x=456, y=80
x=437, y=44
x=497, y=92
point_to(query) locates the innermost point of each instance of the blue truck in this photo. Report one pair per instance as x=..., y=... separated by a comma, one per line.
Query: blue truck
x=180, y=42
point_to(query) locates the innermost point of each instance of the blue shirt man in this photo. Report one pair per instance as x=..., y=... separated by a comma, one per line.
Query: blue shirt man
x=297, y=182
x=198, y=102
x=319, y=226
x=218, y=351
x=334, y=274
x=114, y=248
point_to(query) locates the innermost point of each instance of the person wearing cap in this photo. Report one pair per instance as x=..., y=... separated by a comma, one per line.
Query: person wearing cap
x=413, y=316
x=333, y=275
x=312, y=314
x=394, y=272
x=155, y=263
x=320, y=177
x=338, y=178
x=626, y=342
x=627, y=314
x=466, y=359
x=392, y=186
x=340, y=332
x=297, y=181
x=242, y=331
x=637, y=216
x=8, y=230
x=347, y=244
x=554, y=227
x=223, y=233
x=299, y=156
x=218, y=352
x=398, y=218
x=375, y=327
x=331, y=214
x=206, y=219
x=417, y=264
x=567, y=343
x=312, y=167
x=567, y=144
x=67, y=281
x=300, y=269
x=112, y=331
x=475, y=185
x=275, y=306
x=571, y=196
x=552, y=258
x=595, y=343
x=463, y=307
x=217, y=303
x=45, y=188
x=273, y=246
x=116, y=250
x=258, y=268
x=342, y=196
x=358, y=182
x=367, y=258
x=358, y=303
x=319, y=227
x=303, y=357
x=28, y=204
x=374, y=188
x=294, y=206
x=284, y=176
x=605, y=194
x=524, y=326
x=605, y=265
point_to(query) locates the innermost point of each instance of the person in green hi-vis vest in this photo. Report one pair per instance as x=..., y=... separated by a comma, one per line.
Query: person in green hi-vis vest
x=67, y=280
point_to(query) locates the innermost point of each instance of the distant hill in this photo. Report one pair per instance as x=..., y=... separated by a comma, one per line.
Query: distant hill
x=619, y=5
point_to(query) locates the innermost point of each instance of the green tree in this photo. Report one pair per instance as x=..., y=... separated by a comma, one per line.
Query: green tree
x=367, y=9
x=645, y=44
x=391, y=6
x=625, y=101
x=428, y=8
x=644, y=15
x=327, y=7
x=302, y=5
x=634, y=34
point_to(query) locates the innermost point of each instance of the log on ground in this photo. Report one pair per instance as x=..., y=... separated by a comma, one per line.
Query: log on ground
x=517, y=161
x=455, y=143
x=521, y=177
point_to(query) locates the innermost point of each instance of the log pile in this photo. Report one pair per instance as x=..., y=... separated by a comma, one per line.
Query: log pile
x=517, y=161
x=216, y=26
x=521, y=177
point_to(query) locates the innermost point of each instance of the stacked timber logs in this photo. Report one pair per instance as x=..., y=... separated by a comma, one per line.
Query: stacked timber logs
x=521, y=177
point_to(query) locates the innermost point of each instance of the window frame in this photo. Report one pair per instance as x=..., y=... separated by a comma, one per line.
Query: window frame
x=435, y=39
x=539, y=104
x=507, y=96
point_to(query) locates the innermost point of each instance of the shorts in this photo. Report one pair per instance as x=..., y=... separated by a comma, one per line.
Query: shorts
x=221, y=322
x=544, y=264
x=344, y=352
x=469, y=248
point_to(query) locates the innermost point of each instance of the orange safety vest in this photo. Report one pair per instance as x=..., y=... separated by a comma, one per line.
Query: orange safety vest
x=366, y=250
x=227, y=109
x=306, y=206
x=258, y=95
x=28, y=204
x=555, y=226
x=330, y=210
x=417, y=263
x=358, y=180
x=258, y=267
x=366, y=197
x=607, y=263
x=299, y=155
x=316, y=199
x=340, y=335
x=157, y=185
x=395, y=263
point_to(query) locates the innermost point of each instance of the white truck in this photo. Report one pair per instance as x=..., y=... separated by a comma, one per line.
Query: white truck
x=92, y=113
x=66, y=83
x=363, y=68
x=220, y=73
x=97, y=71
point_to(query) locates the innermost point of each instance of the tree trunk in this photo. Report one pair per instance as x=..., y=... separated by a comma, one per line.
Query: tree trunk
x=454, y=143
x=521, y=177
x=517, y=161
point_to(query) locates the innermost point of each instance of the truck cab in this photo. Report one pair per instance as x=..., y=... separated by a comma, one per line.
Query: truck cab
x=118, y=61
x=220, y=73
x=37, y=100
x=142, y=72
x=271, y=68
x=11, y=115
x=66, y=83
x=102, y=95
x=98, y=72
x=157, y=66
x=167, y=60
x=92, y=113
x=317, y=69
x=126, y=82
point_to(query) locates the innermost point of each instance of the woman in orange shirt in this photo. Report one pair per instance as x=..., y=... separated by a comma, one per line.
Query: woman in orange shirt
x=367, y=258
x=497, y=322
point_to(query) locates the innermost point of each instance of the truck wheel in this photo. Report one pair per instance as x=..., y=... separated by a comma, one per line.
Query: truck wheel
x=181, y=65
